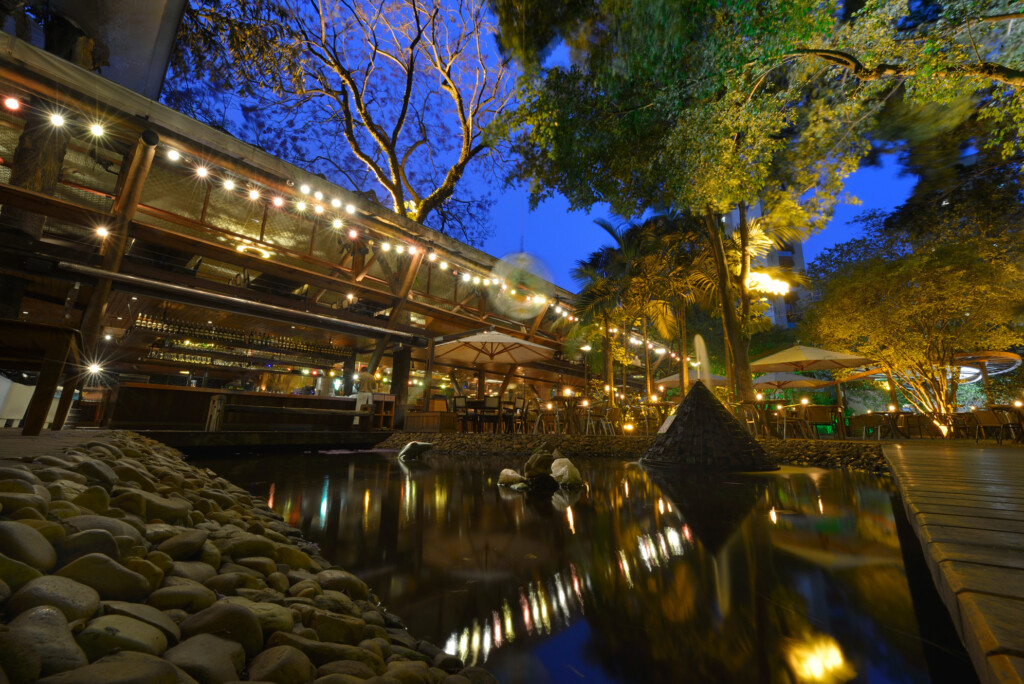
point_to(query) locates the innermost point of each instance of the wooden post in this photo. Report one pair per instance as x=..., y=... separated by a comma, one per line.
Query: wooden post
x=57, y=349
x=481, y=379
x=401, y=361
x=839, y=403
x=114, y=245
x=429, y=375
x=508, y=379
x=348, y=370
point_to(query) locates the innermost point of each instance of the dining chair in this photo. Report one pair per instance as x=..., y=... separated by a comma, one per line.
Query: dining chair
x=461, y=412
x=985, y=421
x=490, y=414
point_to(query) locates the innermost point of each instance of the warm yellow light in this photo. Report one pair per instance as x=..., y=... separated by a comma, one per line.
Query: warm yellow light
x=804, y=401
x=277, y=202
x=773, y=516
x=95, y=368
x=350, y=208
x=336, y=223
x=399, y=249
x=549, y=406
x=654, y=398
x=253, y=250
x=431, y=257
x=607, y=388
x=353, y=233
x=759, y=396
x=254, y=194
x=202, y=171
x=300, y=206
x=892, y=408
x=762, y=282
x=229, y=184
x=412, y=249
x=628, y=427
x=57, y=120
x=385, y=246
x=319, y=209
x=102, y=232
x=567, y=391
x=476, y=280
x=661, y=388
x=318, y=195
x=96, y=130
x=1017, y=403
x=173, y=155
x=819, y=660
x=443, y=265
x=350, y=296
x=336, y=203
x=778, y=407
x=304, y=189
x=586, y=403
x=331, y=373
x=586, y=348
x=466, y=277
x=12, y=103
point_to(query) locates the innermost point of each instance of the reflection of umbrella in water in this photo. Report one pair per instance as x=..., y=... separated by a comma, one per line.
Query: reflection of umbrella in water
x=673, y=380
x=788, y=381
x=483, y=554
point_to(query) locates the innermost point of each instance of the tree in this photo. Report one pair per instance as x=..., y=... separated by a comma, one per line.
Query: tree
x=915, y=308
x=711, y=108
x=397, y=95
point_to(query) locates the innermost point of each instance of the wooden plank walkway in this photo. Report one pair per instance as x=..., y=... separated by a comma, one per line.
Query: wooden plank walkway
x=966, y=505
x=15, y=446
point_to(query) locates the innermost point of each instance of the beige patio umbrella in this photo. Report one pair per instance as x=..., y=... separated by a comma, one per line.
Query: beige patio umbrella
x=801, y=358
x=788, y=381
x=673, y=380
x=487, y=349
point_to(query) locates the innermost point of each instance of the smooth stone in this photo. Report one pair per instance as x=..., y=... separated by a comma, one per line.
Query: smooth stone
x=478, y=675
x=193, y=570
x=97, y=471
x=338, y=602
x=55, y=473
x=153, y=574
x=90, y=541
x=53, y=531
x=130, y=658
x=539, y=463
x=210, y=555
x=338, y=628
x=209, y=659
x=261, y=564
x=158, y=532
x=24, y=543
x=95, y=498
x=119, y=671
x=18, y=486
x=63, y=491
x=8, y=473
x=188, y=597
x=244, y=545
x=228, y=583
x=509, y=477
x=75, y=600
x=353, y=668
x=112, y=633
x=308, y=588
x=112, y=580
x=115, y=526
x=340, y=580
x=5, y=593
x=282, y=665
x=321, y=653
x=14, y=501
x=272, y=617
x=565, y=473
x=15, y=573
x=231, y=621
x=160, y=560
x=27, y=514
x=349, y=679
x=148, y=614
x=185, y=545
x=44, y=631
x=150, y=505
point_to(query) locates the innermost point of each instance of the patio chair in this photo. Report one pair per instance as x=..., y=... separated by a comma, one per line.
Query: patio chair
x=490, y=414
x=866, y=422
x=1010, y=418
x=514, y=418
x=548, y=420
x=461, y=412
x=819, y=416
x=985, y=421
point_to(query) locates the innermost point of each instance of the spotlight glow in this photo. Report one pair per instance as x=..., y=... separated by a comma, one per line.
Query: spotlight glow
x=173, y=155
x=229, y=184
x=350, y=208
x=202, y=171
x=12, y=103
x=336, y=223
x=353, y=233
x=96, y=130
x=57, y=120
x=277, y=202
x=304, y=189
x=254, y=194
x=102, y=232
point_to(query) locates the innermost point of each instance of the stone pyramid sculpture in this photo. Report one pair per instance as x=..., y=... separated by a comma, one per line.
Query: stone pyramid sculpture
x=705, y=436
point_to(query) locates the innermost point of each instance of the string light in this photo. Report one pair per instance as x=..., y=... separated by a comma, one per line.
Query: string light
x=476, y=280
x=301, y=206
x=385, y=246
x=318, y=195
x=399, y=249
x=202, y=171
x=466, y=277
x=96, y=130
x=102, y=232
x=336, y=203
x=254, y=194
x=412, y=249
x=432, y=257
x=277, y=202
x=12, y=103
x=229, y=184
x=350, y=208
x=57, y=120
x=443, y=265
x=336, y=223
x=173, y=155
x=353, y=234
x=318, y=209
x=304, y=189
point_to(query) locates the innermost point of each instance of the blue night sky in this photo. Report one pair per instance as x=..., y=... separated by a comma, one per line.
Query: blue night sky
x=560, y=237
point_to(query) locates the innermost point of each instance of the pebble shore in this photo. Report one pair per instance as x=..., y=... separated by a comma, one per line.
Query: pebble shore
x=456, y=448
x=120, y=563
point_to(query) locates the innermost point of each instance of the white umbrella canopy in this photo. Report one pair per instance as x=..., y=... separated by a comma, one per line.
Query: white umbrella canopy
x=788, y=381
x=673, y=380
x=490, y=348
x=801, y=358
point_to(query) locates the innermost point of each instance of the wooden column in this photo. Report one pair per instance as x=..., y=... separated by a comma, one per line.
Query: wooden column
x=131, y=182
x=401, y=362
x=57, y=347
x=397, y=307
x=481, y=380
x=348, y=371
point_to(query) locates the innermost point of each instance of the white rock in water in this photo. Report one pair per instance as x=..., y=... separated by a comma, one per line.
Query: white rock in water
x=510, y=477
x=565, y=473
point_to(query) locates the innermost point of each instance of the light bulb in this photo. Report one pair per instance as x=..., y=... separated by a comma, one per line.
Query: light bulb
x=300, y=206
x=412, y=249
x=399, y=249
x=443, y=265
x=277, y=202
x=476, y=280
x=304, y=189
x=466, y=277
x=318, y=195
x=353, y=234
x=95, y=368
x=12, y=103
x=254, y=194
x=96, y=130
x=385, y=246
x=229, y=184
x=336, y=203
x=57, y=120
x=202, y=171
x=318, y=209
x=336, y=223
x=350, y=208
x=173, y=155
x=432, y=257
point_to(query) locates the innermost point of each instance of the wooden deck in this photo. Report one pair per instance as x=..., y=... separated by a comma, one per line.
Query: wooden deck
x=18, y=447
x=966, y=505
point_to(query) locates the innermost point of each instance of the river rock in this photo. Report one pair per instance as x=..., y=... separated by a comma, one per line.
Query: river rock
x=152, y=506
x=340, y=580
x=53, y=531
x=245, y=544
x=112, y=580
x=478, y=675
x=184, y=545
x=352, y=668
x=75, y=600
x=193, y=570
x=15, y=573
x=44, y=631
x=261, y=564
x=119, y=671
x=539, y=462
x=509, y=477
x=23, y=543
x=13, y=501
x=282, y=665
x=10, y=473
x=97, y=471
x=338, y=628
x=272, y=617
x=189, y=597
x=231, y=621
x=112, y=633
x=95, y=498
x=154, y=575
x=148, y=614
x=101, y=522
x=565, y=473
x=89, y=541
x=321, y=653
x=209, y=659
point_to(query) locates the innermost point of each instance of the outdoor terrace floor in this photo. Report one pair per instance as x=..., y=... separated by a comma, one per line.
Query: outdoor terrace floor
x=966, y=505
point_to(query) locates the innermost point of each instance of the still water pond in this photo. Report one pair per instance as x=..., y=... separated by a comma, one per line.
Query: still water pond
x=793, y=576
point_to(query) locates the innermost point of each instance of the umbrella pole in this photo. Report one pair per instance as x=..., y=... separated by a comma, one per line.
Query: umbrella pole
x=481, y=378
x=839, y=403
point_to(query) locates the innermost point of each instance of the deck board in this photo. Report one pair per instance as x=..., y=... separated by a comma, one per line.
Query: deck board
x=966, y=505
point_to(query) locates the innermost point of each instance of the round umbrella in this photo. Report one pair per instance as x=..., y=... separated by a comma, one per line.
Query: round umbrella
x=801, y=358
x=491, y=348
x=673, y=380
x=788, y=381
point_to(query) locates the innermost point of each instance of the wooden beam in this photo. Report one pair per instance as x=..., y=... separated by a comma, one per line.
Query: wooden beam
x=399, y=302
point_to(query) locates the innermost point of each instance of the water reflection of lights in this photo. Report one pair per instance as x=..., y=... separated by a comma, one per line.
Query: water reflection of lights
x=821, y=506
x=323, y=502
x=568, y=516
x=773, y=516
x=624, y=567
x=819, y=660
x=270, y=497
x=506, y=611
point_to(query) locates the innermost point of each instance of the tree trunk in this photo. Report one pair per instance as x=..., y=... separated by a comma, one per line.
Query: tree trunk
x=730, y=320
x=647, y=358
x=609, y=363
x=684, y=367
x=37, y=164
